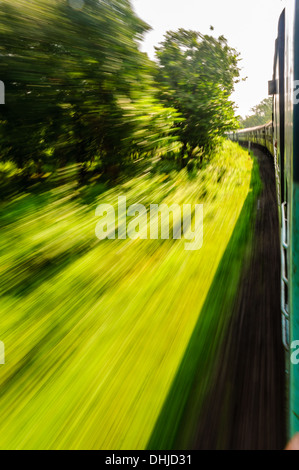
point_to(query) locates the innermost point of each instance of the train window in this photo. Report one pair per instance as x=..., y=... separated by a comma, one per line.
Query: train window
x=286, y=294
x=286, y=264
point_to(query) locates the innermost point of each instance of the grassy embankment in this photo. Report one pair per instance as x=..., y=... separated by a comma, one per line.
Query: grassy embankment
x=95, y=331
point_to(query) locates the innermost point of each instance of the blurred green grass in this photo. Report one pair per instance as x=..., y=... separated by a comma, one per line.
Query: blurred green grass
x=180, y=420
x=95, y=331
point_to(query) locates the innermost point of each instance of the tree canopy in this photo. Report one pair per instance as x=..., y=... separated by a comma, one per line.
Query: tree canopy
x=76, y=83
x=196, y=75
x=78, y=89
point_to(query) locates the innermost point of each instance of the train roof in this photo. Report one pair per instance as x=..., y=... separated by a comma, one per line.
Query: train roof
x=253, y=128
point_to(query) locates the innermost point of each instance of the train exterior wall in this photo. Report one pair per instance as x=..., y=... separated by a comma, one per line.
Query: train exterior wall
x=281, y=139
x=292, y=174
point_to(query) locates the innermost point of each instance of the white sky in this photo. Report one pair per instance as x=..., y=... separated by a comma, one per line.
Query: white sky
x=249, y=26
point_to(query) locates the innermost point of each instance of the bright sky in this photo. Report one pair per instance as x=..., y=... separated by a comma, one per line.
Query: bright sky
x=249, y=26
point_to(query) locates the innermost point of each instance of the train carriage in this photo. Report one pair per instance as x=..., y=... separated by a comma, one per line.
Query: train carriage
x=281, y=138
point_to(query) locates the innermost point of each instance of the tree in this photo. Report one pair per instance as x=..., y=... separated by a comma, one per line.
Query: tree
x=196, y=76
x=262, y=114
x=70, y=76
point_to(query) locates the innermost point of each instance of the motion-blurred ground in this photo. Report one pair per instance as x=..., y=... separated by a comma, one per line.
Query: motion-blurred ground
x=95, y=331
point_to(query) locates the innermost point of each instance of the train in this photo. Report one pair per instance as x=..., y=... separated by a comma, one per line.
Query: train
x=280, y=138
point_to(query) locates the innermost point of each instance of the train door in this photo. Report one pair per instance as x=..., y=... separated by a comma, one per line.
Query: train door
x=277, y=87
x=292, y=201
x=280, y=67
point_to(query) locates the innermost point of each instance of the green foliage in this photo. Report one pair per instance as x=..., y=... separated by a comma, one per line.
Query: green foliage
x=68, y=73
x=95, y=331
x=197, y=75
x=262, y=114
x=187, y=398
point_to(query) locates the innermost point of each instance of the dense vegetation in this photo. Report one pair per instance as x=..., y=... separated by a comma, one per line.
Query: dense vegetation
x=95, y=331
x=196, y=75
x=79, y=90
